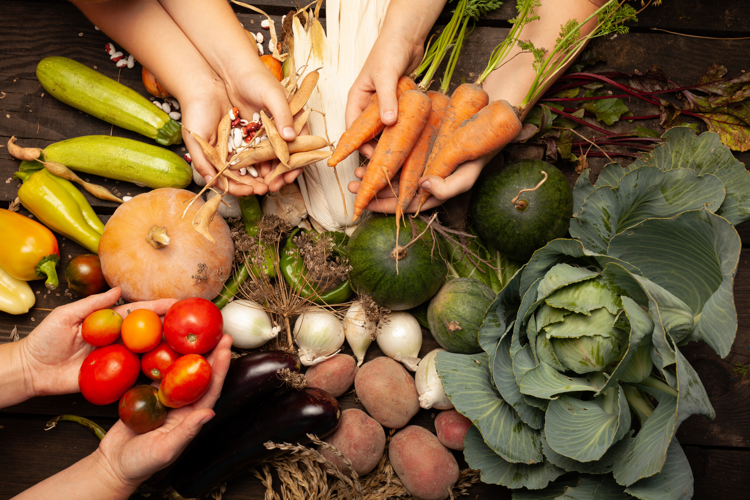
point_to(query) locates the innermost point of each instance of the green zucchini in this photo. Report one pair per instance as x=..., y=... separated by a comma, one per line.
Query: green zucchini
x=100, y=96
x=119, y=158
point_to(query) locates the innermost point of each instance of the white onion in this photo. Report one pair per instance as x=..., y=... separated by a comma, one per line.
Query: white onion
x=248, y=324
x=319, y=335
x=400, y=338
x=229, y=206
x=358, y=330
x=429, y=386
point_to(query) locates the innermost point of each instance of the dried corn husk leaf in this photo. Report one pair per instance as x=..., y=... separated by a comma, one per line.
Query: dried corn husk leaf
x=352, y=28
x=286, y=204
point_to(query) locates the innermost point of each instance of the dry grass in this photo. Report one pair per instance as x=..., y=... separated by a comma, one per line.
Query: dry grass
x=304, y=473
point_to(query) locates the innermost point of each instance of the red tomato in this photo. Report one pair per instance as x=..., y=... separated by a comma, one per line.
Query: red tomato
x=157, y=360
x=140, y=409
x=193, y=326
x=107, y=373
x=141, y=330
x=185, y=381
x=101, y=328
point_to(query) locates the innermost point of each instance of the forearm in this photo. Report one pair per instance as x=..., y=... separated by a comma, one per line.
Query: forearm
x=214, y=29
x=15, y=379
x=88, y=479
x=410, y=20
x=148, y=32
x=511, y=82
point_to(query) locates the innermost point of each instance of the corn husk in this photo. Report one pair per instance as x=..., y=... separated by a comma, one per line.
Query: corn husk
x=353, y=26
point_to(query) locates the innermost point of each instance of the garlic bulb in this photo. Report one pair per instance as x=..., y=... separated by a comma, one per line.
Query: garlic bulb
x=319, y=335
x=358, y=330
x=400, y=338
x=286, y=204
x=229, y=206
x=248, y=324
x=429, y=386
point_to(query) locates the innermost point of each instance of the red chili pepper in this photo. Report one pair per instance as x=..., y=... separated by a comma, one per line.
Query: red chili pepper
x=29, y=250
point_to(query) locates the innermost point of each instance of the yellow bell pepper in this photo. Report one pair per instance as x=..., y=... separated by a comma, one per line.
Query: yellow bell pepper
x=16, y=296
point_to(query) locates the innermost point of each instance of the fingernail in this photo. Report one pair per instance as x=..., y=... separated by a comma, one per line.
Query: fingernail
x=206, y=419
x=426, y=185
x=208, y=178
x=288, y=133
x=389, y=116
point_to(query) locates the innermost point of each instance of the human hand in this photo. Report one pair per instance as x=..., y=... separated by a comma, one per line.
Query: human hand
x=460, y=181
x=53, y=352
x=202, y=113
x=394, y=54
x=131, y=458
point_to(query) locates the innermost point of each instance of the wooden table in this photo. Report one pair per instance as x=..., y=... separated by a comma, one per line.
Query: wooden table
x=718, y=451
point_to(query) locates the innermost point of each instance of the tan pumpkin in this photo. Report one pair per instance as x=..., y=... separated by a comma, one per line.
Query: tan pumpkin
x=152, y=252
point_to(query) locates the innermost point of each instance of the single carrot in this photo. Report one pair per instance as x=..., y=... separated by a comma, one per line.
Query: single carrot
x=397, y=141
x=466, y=101
x=415, y=164
x=367, y=126
x=492, y=128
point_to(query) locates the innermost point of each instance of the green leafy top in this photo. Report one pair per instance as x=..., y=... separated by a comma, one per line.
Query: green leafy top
x=526, y=14
x=610, y=19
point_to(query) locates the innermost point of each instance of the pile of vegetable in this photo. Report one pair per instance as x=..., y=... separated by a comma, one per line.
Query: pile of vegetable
x=580, y=370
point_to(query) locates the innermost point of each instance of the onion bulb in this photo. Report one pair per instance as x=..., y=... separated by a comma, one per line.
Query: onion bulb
x=429, y=386
x=400, y=338
x=358, y=330
x=248, y=324
x=319, y=335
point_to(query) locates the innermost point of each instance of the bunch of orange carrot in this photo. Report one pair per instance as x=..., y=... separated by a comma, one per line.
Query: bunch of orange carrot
x=435, y=134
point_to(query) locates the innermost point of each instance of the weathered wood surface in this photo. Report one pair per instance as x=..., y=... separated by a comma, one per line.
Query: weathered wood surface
x=719, y=451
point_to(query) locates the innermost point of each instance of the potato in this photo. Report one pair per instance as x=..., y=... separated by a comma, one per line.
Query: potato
x=334, y=375
x=451, y=429
x=425, y=467
x=387, y=392
x=360, y=439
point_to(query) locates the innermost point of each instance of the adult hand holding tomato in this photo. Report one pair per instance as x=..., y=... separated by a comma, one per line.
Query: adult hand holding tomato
x=50, y=357
x=136, y=456
x=193, y=326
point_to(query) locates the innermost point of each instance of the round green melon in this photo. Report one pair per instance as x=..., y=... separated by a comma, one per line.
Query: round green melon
x=421, y=271
x=456, y=313
x=538, y=217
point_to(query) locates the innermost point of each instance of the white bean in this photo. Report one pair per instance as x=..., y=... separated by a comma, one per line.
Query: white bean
x=260, y=48
x=175, y=115
x=115, y=55
x=173, y=103
x=122, y=63
x=166, y=107
x=237, y=137
x=131, y=61
x=253, y=172
x=243, y=171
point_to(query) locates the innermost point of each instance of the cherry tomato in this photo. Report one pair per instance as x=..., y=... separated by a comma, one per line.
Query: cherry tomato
x=101, y=327
x=107, y=373
x=193, y=326
x=185, y=381
x=141, y=330
x=140, y=409
x=157, y=360
x=84, y=275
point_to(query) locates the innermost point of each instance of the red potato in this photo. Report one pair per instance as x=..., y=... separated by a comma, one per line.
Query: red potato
x=334, y=375
x=387, y=392
x=425, y=467
x=451, y=429
x=360, y=439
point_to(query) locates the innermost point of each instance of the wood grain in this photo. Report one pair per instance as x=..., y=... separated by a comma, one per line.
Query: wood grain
x=718, y=450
